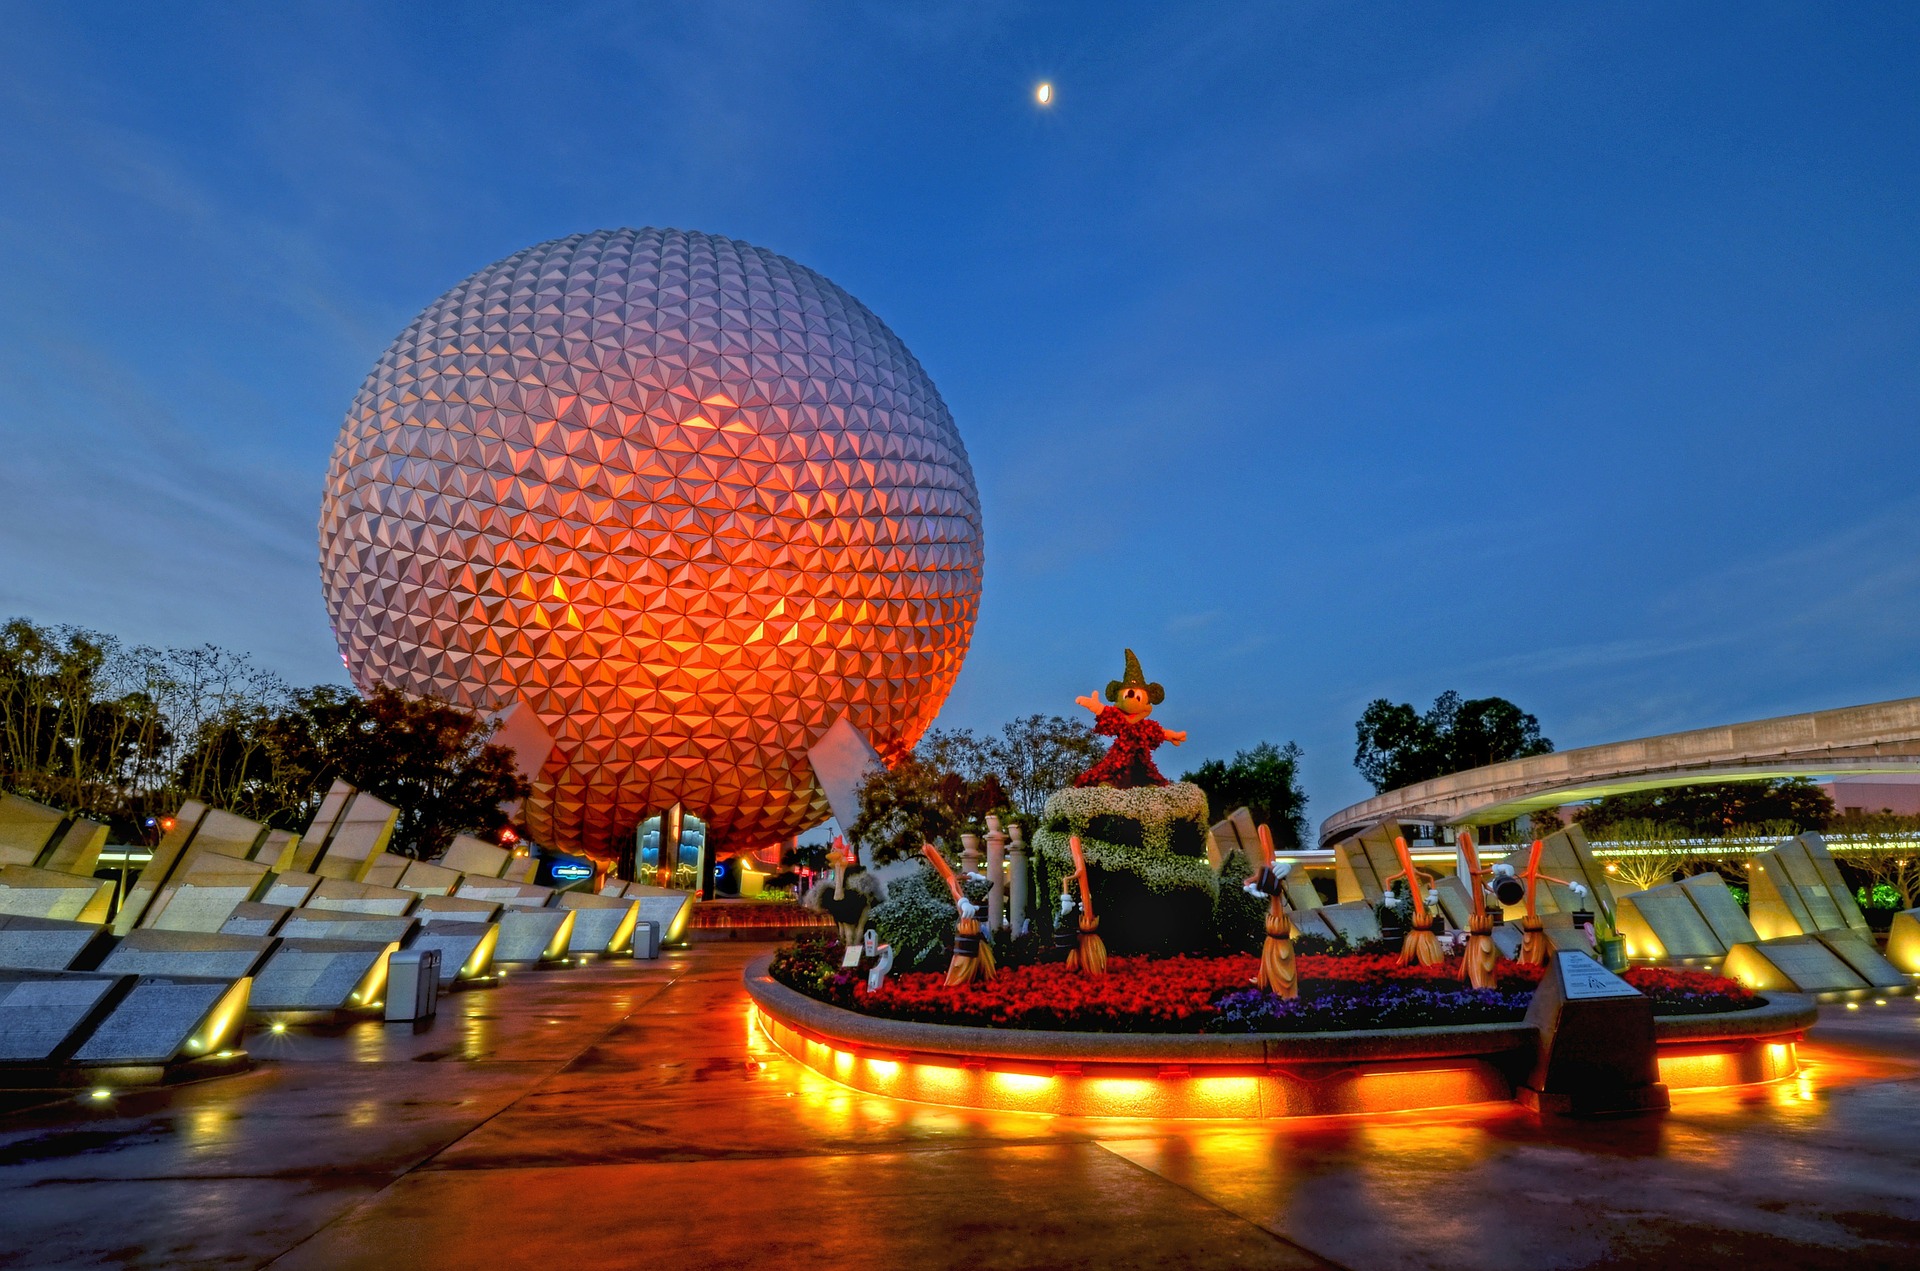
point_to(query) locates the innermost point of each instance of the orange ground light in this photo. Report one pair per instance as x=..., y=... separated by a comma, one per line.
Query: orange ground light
x=1237, y=1092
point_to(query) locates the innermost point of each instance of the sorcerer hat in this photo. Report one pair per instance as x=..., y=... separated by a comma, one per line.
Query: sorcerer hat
x=1135, y=678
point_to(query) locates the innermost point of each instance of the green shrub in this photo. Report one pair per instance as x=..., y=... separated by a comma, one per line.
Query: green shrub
x=1239, y=918
x=917, y=918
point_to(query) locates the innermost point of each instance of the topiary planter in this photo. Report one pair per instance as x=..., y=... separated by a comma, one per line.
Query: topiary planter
x=1183, y=838
x=1153, y=889
x=1136, y=919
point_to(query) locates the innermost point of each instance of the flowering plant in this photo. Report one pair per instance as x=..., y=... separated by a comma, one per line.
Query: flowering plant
x=918, y=915
x=812, y=966
x=1160, y=871
x=1681, y=992
x=1155, y=808
x=1136, y=995
x=1216, y=994
x=1388, y=1006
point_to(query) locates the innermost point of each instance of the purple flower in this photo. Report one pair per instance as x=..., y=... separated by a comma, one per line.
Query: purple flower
x=1385, y=1006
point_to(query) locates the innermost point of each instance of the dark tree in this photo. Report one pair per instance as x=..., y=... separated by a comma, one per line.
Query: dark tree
x=903, y=807
x=124, y=733
x=1265, y=781
x=955, y=779
x=1030, y=759
x=1039, y=754
x=1399, y=746
x=82, y=723
x=240, y=761
x=429, y=758
x=1710, y=811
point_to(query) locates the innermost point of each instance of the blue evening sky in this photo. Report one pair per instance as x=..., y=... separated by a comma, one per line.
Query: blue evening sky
x=1318, y=351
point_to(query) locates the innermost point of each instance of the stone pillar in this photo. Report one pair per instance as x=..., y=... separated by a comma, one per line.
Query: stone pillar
x=996, y=874
x=1021, y=884
x=970, y=853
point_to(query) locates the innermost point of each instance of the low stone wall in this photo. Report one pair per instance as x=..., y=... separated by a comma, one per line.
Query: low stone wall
x=1237, y=1076
x=1735, y=1048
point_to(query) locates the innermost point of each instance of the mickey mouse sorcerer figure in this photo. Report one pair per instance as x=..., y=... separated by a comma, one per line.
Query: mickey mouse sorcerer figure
x=1130, y=762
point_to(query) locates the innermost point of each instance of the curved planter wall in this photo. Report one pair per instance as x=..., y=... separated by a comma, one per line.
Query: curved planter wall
x=1273, y=1075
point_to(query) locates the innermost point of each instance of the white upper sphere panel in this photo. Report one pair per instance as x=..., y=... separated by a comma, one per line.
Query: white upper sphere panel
x=686, y=499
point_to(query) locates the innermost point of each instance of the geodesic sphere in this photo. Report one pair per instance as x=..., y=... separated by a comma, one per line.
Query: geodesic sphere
x=686, y=499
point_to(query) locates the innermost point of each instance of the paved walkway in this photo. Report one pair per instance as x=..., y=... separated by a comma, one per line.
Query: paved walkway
x=623, y=1115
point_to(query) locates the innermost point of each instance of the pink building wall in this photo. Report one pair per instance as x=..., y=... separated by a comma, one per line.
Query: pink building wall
x=1874, y=794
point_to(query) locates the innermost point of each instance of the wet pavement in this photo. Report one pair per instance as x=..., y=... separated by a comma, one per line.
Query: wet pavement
x=626, y=1114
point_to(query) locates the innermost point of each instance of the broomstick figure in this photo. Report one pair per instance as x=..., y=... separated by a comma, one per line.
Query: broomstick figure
x=1279, y=974
x=1534, y=948
x=1066, y=930
x=972, y=956
x=1421, y=945
x=1477, y=965
x=849, y=913
x=1091, y=955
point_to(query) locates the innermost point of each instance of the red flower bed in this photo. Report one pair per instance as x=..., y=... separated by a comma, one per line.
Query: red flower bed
x=1136, y=994
x=1142, y=994
x=1179, y=994
x=1682, y=992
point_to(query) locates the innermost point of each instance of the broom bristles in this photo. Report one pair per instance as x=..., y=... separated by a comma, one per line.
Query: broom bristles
x=1477, y=966
x=1089, y=956
x=968, y=967
x=1278, y=973
x=1421, y=946
x=1534, y=948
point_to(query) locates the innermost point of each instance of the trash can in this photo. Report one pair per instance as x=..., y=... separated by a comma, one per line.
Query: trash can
x=413, y=985
x=646, y=940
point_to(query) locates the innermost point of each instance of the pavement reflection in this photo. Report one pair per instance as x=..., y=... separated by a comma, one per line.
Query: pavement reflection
x=599, y=1112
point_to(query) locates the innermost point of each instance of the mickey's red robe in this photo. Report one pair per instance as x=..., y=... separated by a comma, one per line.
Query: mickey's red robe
x=1130, y=762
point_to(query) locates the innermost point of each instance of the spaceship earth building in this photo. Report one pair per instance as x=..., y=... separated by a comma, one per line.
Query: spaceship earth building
x=685, y=499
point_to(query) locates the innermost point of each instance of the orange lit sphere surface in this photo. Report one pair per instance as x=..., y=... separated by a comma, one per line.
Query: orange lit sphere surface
x=686, y=499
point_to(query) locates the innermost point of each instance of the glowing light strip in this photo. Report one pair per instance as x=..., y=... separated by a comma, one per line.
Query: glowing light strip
x=1159, y=1091
x=1134, y=1091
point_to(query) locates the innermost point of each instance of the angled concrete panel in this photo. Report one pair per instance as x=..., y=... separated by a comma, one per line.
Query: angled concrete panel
x=26, y=829
x=1791, y=964
x=77, y=850
x=1711, y=896
x=166, y=1019
x=166, y=854
x=190, y=953
x=49, y=944
x=1662, y=923
x=47, y=893
x=338, y=893
x=475, y=857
